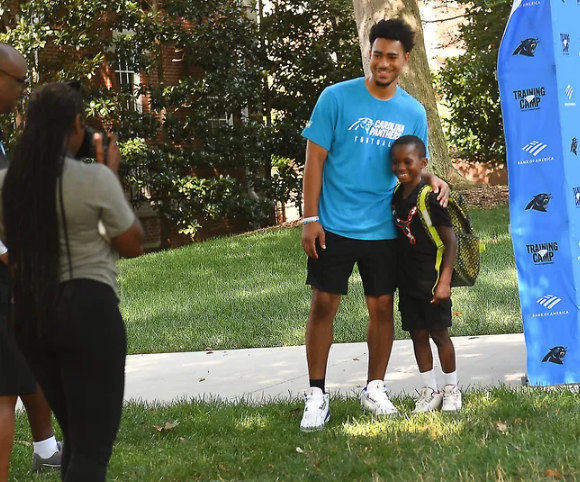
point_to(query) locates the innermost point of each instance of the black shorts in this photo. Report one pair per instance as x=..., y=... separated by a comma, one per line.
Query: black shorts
x=16, y=378
x=376, y=260
x=420, y=313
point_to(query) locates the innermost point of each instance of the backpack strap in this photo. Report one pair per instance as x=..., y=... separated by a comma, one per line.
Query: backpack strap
x=425, y=215
x=398, y=185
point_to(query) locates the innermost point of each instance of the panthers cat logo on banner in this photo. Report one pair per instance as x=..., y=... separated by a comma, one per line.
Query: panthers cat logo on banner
x=556, y=355
x=527, y=47
x=539, y=203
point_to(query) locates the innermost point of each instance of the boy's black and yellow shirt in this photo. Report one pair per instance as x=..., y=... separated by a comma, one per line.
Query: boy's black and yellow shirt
x=416, y=274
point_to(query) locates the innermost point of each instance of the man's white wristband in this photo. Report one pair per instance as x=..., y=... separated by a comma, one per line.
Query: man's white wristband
x=312, y=219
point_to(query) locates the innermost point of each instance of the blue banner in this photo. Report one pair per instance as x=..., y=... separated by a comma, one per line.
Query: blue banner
x=539, y=80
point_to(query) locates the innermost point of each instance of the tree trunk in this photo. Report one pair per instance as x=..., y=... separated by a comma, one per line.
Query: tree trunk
x=416, y=77
x=165, y=225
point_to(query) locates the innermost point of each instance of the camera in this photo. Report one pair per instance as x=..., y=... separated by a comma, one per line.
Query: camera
x=88, y=149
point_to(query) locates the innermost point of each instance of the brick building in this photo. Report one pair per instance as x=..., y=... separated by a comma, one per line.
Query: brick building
x=159, y=232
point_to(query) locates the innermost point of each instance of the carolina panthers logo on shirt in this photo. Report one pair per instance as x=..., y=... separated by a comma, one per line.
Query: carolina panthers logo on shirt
x=363, y=123
x=378, y=133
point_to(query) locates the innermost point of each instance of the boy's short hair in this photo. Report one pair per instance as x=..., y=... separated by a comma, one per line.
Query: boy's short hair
x=411, y=140
x=394, y=29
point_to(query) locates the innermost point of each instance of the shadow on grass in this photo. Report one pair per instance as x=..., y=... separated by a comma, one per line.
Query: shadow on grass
x=501, y=435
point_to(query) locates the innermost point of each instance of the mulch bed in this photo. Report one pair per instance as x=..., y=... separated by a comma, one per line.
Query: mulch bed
x=486, y=197
x=481, y=197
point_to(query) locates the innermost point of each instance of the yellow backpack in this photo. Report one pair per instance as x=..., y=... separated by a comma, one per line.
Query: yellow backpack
x=466, y=266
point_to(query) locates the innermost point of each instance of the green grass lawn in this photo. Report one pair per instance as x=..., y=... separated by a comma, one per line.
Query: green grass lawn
x=249, y=291
x=501, y=435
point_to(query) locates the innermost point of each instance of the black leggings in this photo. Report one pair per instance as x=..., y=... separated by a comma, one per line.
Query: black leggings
x=80, y=365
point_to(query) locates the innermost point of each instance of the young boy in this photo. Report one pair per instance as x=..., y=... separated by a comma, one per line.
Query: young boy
x=424, y=293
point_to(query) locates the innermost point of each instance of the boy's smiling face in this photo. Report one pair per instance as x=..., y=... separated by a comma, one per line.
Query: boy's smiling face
x=407, y=163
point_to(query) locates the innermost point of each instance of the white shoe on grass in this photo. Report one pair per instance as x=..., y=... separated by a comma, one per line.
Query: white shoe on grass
x=451, y=398
x=316, y=410
x=375, y=400
x=428, y=401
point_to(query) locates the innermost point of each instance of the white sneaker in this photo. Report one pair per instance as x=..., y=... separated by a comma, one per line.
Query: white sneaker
x=316, y=410
x=374, y=399
x=428, y=401
x=451, y=398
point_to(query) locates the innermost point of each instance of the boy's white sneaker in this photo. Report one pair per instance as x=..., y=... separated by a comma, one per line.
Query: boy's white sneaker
x=428, y=401
x=373, y=398
x=451, y=398
x=316, y=410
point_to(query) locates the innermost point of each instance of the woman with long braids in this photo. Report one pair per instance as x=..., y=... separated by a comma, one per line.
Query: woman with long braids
x=65, y=308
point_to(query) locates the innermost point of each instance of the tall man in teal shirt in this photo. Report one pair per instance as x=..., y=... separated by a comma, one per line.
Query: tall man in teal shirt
x=348, y=187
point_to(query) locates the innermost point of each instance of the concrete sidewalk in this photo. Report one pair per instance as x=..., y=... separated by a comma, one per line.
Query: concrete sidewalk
x=266, y=373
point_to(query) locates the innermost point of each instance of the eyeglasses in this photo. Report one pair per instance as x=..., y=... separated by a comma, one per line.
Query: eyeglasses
x=20, y=80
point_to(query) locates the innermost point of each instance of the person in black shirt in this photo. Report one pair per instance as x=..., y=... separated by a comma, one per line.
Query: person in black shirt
x=16, y=379
x=424, y=290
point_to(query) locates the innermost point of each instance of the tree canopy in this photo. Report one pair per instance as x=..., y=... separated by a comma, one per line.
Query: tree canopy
x=469, y=88
x=204, y=144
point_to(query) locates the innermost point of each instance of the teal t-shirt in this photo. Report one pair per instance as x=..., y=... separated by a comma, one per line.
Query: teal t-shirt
x=357, y=130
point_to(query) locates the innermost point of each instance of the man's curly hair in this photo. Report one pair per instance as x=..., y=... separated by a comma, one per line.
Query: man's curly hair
x=394, y=29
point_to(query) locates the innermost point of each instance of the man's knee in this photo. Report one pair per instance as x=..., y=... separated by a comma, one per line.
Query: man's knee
x=381, y=308
x=7, y=404
x=324, y=306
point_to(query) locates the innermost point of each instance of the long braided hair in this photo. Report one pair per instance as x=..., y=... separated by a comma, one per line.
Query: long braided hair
x=29, y=199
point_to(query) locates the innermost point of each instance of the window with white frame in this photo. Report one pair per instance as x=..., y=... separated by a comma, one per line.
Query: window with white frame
x=129, y=80
x=224, y=119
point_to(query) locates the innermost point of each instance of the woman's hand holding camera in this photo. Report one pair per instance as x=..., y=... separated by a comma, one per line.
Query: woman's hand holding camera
x=113, y=152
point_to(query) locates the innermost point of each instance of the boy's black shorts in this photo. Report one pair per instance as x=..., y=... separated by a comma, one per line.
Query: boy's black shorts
x=420, y=313
x=376, y=260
